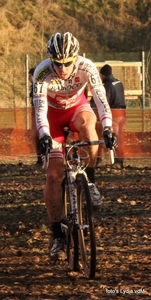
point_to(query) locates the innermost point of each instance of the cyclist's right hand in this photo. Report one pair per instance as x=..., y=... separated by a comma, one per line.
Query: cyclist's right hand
x=45, y=144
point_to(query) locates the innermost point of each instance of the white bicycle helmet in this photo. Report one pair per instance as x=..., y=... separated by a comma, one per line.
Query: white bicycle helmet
x=62, y=45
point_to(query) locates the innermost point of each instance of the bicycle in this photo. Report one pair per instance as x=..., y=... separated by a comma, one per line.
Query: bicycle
x=77, y=217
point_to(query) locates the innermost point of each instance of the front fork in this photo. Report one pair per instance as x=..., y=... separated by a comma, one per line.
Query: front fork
x=73, y=195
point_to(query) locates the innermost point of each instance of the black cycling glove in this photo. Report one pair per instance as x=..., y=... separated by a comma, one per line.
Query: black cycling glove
x=110, y=138
x=45, y=144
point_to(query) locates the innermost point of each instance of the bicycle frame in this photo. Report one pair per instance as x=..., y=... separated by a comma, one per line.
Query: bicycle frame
x=80, y=228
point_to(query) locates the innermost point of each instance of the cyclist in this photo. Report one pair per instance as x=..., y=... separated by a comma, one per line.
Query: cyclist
x=59, y=100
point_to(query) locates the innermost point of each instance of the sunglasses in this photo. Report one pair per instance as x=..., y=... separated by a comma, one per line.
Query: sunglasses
x=60, y=65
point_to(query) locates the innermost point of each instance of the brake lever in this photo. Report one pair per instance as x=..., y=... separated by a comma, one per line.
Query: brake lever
x=111, y=156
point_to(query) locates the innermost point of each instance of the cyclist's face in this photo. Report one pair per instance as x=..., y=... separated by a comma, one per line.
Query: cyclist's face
x=64, y=67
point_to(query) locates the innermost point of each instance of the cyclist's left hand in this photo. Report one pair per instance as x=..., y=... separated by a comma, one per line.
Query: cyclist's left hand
x=110, y=138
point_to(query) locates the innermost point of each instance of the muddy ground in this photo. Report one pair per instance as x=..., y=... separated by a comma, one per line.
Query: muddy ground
x=123, y=236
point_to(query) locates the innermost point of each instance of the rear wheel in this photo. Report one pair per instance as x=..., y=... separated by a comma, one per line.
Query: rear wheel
x=86, y=232
x=69, y=230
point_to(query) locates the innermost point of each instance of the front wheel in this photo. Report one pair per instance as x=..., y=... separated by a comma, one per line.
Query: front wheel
x=86, y=232
x=69, y=230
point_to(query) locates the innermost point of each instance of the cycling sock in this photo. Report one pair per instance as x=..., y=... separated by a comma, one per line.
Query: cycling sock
x=90, y=174
x=56, y=229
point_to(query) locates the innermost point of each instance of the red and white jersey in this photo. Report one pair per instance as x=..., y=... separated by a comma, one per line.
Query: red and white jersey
x=51, y=91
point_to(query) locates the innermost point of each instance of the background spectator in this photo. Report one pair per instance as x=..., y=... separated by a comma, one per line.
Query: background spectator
x=30, y=77
x=34, y=130
x=115, y=96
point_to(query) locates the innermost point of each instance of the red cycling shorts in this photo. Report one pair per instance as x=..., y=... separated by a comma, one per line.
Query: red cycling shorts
x=59, y=118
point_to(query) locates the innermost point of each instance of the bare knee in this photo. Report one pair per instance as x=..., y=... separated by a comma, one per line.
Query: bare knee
x=86, y=123
x=53, y=179
x=88, y=126
x=54, y=174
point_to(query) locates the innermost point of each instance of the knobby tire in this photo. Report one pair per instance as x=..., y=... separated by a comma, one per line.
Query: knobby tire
x=69, y=230
x=86, y=233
